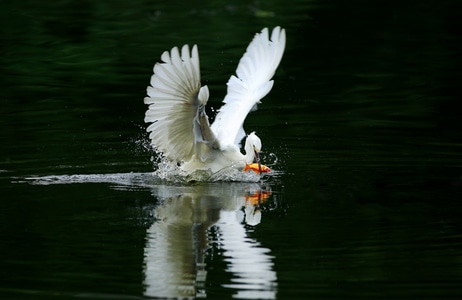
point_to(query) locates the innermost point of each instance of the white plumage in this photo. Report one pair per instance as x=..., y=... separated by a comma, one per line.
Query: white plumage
x=180, y=128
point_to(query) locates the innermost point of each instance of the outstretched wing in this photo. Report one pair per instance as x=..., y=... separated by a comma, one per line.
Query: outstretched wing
x=253, y=82
x=177, y=105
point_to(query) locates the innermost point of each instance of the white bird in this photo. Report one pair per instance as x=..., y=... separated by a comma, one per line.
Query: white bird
x=180, y=128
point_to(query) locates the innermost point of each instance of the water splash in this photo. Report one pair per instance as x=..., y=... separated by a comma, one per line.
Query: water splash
x=116, y=179
x=270, y=160
x=141, y=142
x=171, y=172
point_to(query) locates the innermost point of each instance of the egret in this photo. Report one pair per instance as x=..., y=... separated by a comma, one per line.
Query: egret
x=180, y=128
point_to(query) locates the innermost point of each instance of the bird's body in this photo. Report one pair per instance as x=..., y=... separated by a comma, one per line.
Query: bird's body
x=180, y=128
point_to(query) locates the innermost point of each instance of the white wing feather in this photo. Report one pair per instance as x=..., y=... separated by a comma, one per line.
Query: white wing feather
x=253, y=82
x=175, y=101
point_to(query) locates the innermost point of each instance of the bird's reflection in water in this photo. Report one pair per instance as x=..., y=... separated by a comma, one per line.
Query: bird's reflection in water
x=177, y=242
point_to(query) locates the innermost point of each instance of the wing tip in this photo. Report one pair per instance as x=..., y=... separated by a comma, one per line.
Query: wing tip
x=175, y=82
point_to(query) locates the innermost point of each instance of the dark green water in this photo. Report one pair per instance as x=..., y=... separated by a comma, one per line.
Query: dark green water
x=364, y=119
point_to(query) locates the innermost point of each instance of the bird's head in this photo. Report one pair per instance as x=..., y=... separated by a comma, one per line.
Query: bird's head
x=253, y=144
x=252, y=149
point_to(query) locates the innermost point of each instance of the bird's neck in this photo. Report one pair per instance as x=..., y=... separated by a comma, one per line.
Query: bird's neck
x=249, y=154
